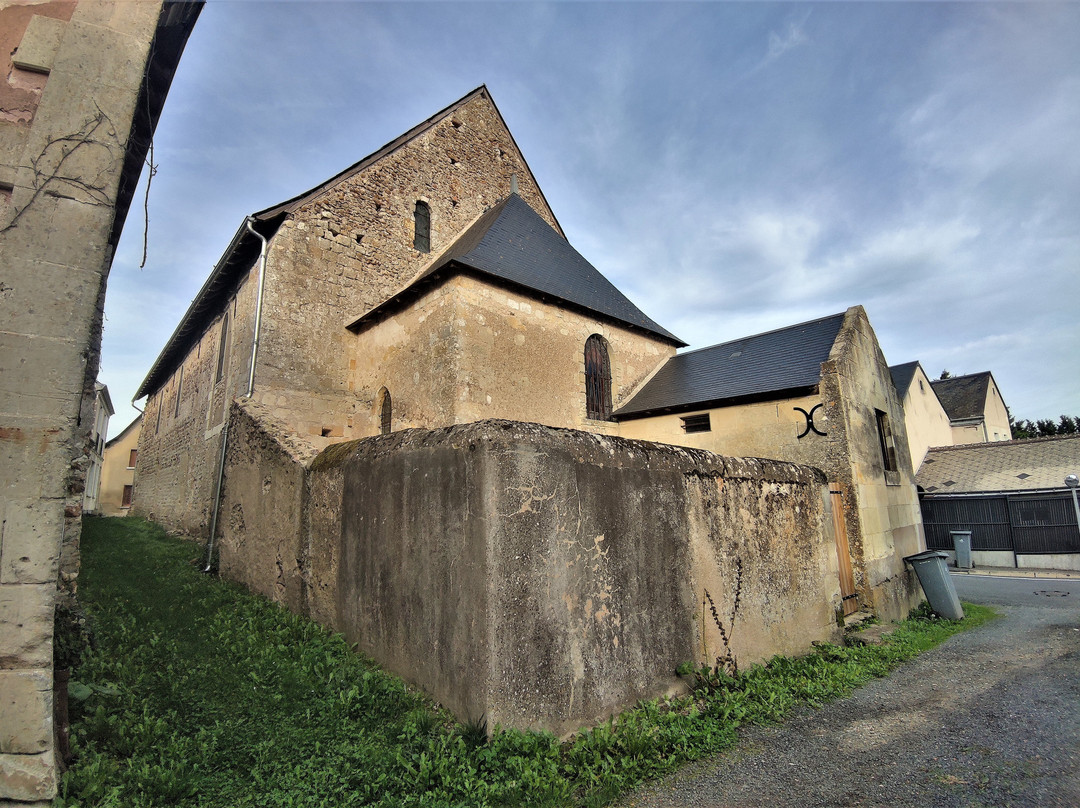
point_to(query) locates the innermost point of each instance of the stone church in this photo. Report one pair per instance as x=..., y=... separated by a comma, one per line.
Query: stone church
x=400, y=405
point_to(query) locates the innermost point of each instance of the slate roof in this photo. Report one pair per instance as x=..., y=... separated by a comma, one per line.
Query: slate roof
x=244, y=249
x=513, y=246
x=771, y=365
x=902, y=376
x=963, y=397
x=1015, y=465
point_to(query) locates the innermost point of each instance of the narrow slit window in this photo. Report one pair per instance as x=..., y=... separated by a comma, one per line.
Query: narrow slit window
x=422, y=227
x=179, y=391
x=221, y=347
x=597, y=379
x=696, y=423
x=386, y=413
x=888, y=447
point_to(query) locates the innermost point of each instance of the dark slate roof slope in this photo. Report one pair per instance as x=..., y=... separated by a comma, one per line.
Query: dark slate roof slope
x=902, y=376
x=1015, y=465
x=512, y=245
x=963, y=396
x=787, y=360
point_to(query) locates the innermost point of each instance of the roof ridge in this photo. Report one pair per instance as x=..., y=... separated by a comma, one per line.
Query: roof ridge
x=962, y=376
x=761, y=334
x=387, y=148
x=1004, y=443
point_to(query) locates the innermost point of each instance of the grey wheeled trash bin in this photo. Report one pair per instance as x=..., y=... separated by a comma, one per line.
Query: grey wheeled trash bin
x=961, y=540
x=934, y=579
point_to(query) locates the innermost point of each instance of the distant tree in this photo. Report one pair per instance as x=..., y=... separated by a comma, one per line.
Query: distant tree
x=1024, y=429
x=945, y=375
x=1044, y=427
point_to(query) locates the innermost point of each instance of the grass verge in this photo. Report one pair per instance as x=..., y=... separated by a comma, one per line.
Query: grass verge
x=197, y=693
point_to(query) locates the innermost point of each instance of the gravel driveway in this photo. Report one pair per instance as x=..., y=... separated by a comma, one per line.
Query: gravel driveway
x=989, y=718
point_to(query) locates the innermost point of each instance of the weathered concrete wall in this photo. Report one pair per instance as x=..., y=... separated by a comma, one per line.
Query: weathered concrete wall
x=262, y=544
x=925, y=420
x=70, y=81
x=468, y=350
x=548, y=578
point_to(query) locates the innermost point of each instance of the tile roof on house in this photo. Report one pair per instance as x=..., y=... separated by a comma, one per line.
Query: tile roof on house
x=778, y=363
x=902, y=376
x=963, y=397
x=1015, y=465
x=513, y=246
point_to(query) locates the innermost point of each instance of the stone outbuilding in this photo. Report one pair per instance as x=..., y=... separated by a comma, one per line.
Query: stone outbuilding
x=817, y=393
x=398, y=405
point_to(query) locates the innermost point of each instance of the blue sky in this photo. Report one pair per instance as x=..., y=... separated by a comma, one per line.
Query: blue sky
x=732, y=167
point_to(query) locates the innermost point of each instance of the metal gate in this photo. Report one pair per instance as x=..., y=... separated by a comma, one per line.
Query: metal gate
x=1020, y=523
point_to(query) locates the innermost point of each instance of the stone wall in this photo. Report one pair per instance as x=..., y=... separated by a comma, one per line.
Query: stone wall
x=180, y=442
x=351, y=248
x=333, y=258
x=540, y=577
x=468, y=350
x=882, y=508
x=72, y=138
x=262, y=544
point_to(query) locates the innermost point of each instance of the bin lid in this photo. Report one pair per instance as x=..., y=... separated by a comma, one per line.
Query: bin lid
x=925, y=555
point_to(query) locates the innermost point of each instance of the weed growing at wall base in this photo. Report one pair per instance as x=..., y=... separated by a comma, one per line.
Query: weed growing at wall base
x=197, y=693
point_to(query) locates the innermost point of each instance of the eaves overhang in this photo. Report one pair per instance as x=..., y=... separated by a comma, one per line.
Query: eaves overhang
x=226, y=275
x=718, y=403
x=439, y=275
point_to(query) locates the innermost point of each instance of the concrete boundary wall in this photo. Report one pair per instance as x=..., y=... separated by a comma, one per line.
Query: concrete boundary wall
x=542, y=578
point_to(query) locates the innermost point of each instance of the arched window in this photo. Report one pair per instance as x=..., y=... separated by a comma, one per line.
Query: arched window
x=422, y=227
x=597, y=379
x=385, y=412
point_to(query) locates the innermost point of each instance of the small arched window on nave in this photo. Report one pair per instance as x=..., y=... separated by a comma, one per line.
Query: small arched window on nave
x=597, y=379
x=386, y=412
x=422, y=227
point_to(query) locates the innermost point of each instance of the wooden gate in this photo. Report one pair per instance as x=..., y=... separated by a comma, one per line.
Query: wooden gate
x=850, y=597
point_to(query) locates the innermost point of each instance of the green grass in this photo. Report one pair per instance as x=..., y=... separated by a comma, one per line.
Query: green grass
x=197, y=693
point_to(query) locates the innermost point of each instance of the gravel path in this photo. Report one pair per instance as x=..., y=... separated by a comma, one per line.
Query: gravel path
x=990, y=718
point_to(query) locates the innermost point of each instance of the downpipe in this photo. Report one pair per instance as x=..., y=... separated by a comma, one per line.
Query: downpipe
x=217, y=496
x=258, y=304
x=250, y=389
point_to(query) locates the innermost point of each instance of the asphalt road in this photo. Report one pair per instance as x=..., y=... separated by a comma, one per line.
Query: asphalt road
x=989, y=718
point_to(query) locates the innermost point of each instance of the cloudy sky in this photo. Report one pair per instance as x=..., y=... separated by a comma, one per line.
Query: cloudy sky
x=732, y=167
